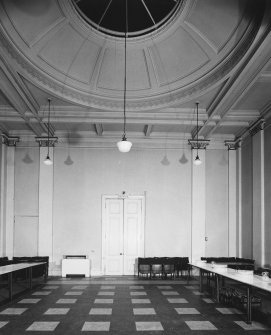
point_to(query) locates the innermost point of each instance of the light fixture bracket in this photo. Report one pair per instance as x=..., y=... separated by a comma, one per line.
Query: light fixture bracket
x=198, y=144
x=44, y=141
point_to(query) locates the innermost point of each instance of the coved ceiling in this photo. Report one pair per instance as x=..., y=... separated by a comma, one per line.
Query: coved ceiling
x=216, y=52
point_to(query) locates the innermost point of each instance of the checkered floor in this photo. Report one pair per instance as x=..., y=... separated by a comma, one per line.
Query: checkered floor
x=122, y=306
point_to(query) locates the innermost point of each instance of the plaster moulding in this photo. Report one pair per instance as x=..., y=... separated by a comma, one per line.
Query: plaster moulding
x=157, y=98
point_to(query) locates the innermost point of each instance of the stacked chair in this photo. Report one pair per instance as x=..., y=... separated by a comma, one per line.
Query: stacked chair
x=163, y=267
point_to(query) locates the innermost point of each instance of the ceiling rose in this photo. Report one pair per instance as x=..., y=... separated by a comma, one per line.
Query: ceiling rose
x=144, y=16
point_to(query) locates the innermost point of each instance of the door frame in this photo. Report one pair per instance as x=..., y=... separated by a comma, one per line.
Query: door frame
x=143, y=214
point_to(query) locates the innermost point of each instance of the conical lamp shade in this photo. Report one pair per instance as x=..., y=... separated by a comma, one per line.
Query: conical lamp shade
x=124, y=145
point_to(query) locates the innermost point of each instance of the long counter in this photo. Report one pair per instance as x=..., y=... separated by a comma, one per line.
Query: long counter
x=12, y=268
x=249, y=280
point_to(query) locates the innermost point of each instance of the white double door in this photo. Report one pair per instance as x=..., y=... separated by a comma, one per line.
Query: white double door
x=123, y=234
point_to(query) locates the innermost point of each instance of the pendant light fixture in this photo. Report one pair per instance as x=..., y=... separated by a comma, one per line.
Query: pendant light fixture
x=197, y=160
x=124, y=145
x=48, y=160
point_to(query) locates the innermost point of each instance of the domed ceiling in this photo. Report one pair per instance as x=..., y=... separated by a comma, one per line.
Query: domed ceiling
x=216, y=52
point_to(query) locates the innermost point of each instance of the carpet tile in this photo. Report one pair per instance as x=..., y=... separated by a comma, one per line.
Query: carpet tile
x=66, y=301
x=85, y=305
x=253, y=326
x=57, y=311
x=149, y=326
x=13, y=311
x=187, y=310
x=29, y=301
x=144, y=311
x=103, y=301
x=96, y=326
x=100, y=311
x=43, y=326
x=3, y=323
x=200, y=325
x=177, y=301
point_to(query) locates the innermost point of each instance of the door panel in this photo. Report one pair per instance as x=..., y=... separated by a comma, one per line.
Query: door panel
x=132, y=234
x=123, y=235
x=114, y=237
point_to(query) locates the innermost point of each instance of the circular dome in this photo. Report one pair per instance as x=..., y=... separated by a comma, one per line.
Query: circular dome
x=143, y=16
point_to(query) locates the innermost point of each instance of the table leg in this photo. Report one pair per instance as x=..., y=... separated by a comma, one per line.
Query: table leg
x=248, y=306
x=10, y=285
x=200, y=280
x=217, y=287
x=30, y=278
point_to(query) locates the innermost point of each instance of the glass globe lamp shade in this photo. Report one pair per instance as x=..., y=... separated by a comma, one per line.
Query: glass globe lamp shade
x=48, y=161
x=124, y=145
x=197, y=160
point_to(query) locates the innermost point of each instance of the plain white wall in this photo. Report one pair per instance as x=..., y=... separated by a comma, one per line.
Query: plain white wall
x=78, y=189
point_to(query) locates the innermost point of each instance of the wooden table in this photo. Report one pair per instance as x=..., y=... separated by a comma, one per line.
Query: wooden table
x=12, y=268
x=250, y=281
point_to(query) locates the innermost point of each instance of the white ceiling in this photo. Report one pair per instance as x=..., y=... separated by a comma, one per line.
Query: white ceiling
x=216, y=52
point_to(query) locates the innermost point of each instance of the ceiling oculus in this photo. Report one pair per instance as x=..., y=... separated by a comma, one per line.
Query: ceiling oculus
x=144, y=16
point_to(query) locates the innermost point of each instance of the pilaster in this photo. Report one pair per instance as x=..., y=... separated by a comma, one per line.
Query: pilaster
x=45, y=235
x=232, y=198
x=257, y=133
x=198, y=206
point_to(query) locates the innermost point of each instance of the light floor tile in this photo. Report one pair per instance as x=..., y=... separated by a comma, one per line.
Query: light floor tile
x=66, y=301
x=108, y=287
x=141, y=301
x=169, y=292
x=51, y=287
x=3, y=323
x=164, y=287
x=177, y=301
x=106, y=293
x=13, y=311
x=187, y=311
x=208, y=301
x=29, y=301
x=229, y=311
x=198, y=293
x=136, y=287
x=73, y=293
x=138, y=293
x=148, y=326
x=200, y=325
x=43, y=326
x=253, y=326
x=100, y=311
x=103, y=301
x=144, y=311
x=57, y=311
x=96, y=326
x=191, y=287
x=79, y=287
x=42, y=293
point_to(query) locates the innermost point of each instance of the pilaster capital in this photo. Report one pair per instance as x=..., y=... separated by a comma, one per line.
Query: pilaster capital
x=10, y=141
x=256, y=127
x=45, y=141
x=199, y=144
x=233, y=145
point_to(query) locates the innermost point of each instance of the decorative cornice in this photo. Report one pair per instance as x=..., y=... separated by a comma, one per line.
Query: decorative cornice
x=43, y=141
x=10, y=141
x=256, y=127
x=199, y=144
x=233, y=145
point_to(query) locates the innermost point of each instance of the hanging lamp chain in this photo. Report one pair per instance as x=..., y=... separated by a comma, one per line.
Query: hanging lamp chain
x=197, y=127
x=48, y=126
x=125, y=68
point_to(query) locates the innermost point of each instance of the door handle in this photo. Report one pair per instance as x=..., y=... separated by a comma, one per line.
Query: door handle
x=120, y=253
